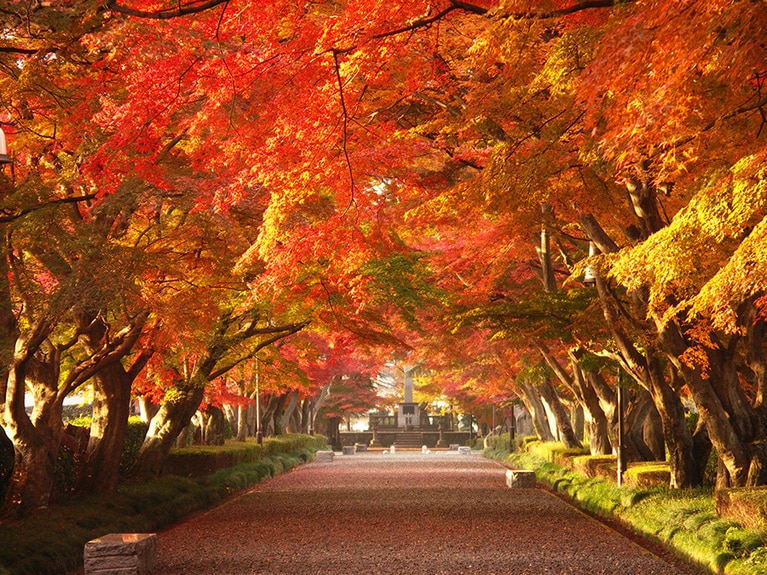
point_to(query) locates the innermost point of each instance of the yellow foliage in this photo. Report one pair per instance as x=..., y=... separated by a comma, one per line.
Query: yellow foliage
x=713, y=256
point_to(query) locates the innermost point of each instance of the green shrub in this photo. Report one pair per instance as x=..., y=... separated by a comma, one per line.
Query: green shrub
x=755, y=564
x=496, y=441
x=134, y=438
x=555, y=452
x=741, y=542
x=52, y=541
x=648, y=474
x=686, y=520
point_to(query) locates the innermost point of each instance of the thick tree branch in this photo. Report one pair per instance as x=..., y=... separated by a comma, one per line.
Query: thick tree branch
x=15, y=50
x=166, y=14
x=8, y=217
x=579, y=7
x=421, y=22
x=279, y=333
x=113, y=350
x=597, y=234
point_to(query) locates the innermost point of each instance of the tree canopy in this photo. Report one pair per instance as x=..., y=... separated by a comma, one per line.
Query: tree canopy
x=533, y=199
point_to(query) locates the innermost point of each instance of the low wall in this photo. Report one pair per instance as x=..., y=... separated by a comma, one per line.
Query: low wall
x=386, y=438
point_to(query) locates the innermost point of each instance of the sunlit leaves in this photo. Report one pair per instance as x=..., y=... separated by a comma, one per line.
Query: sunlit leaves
x=710, y=255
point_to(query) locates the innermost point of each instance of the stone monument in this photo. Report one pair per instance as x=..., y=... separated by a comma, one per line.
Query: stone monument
x=409, y=414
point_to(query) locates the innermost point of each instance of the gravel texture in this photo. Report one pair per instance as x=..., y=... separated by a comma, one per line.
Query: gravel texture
x=401, y=514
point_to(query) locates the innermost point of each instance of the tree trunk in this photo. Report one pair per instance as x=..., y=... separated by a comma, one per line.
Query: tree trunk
x=173, y=416
x=36, y=440
x=684, y=471
x=323, y=395
x=306, y=413
x=547, y=268
x=289, y=413
x=267, y=414
x=729, y=419
x=642, y=441
x=701, y=445
x=652, y=435
x=646, y=369
x=278, y=425
x=561, y=416
x=111, y=408
x=244, y=416
x=147, y=409
x=537, y=412
x=213, y=426
x=599, y=439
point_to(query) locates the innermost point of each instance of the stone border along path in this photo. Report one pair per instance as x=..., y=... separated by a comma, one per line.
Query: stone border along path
x=408, y=513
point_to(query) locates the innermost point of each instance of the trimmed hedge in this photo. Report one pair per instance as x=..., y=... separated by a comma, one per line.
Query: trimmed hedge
x=686, y=521
x=202, y=460
x=52, y=540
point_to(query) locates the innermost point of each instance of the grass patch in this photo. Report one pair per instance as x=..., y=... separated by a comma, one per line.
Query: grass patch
x=686, y=521
x=51, y=541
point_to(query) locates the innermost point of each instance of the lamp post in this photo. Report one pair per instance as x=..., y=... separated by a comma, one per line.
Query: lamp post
x=512, y=427
x=259, y=435
x=621, y=431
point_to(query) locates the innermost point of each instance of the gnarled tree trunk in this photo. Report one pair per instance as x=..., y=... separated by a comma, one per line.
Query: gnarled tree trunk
x=36, y=439
x=561, y=417
x=537, y=412
x=173, y=416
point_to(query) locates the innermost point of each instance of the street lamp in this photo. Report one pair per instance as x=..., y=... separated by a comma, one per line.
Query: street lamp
x=259, y=435
x=621, y=431
x=4, y=158
x=512, y=426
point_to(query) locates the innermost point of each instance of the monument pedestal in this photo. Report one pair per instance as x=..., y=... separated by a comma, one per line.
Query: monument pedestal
x=409, y=415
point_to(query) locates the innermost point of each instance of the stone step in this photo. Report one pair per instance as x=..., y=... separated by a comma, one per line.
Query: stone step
x=409, y=440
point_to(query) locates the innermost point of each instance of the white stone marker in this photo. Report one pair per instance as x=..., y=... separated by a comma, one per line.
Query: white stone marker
x=520, y=478
x=324, y=456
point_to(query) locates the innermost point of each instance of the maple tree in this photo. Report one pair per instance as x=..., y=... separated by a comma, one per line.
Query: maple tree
x=193, y=181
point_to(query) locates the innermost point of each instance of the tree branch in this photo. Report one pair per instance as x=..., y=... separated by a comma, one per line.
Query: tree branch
x=279, y=333
x=345, y=125
x=13, y=217
x=579, y=7
x=14, y=50
x=166, y=14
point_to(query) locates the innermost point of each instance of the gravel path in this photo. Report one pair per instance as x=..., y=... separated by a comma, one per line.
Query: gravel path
x=406, y=514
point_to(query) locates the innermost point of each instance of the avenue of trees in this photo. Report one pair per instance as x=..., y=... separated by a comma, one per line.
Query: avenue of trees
x=536, y=200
